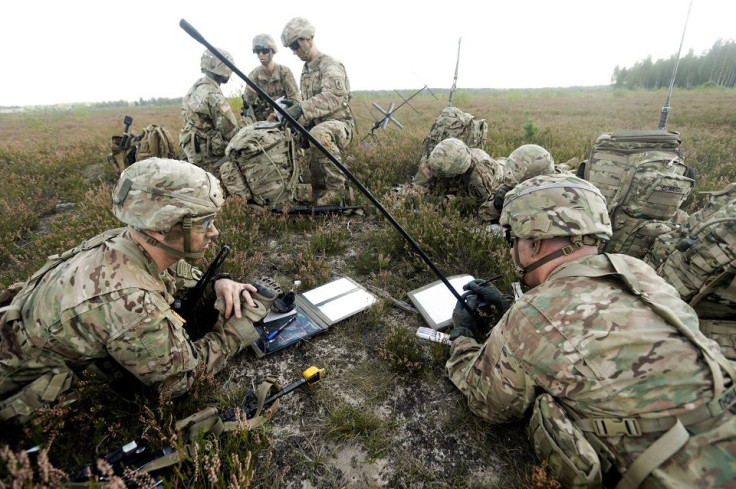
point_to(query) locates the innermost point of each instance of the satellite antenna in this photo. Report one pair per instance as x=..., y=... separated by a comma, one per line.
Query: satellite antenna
x=382, y=123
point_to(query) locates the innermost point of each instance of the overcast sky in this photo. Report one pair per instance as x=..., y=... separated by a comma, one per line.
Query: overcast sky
x=92, y=51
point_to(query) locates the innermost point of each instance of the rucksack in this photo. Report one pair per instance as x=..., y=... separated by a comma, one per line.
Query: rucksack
x=261, y=165
x=153, y=141
x=645, y=180
x=700, y=262
x=454, y=123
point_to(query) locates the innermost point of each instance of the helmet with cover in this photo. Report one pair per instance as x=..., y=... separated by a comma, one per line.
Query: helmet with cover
x=549, y=206
x=264, y=41
x=449, y=158
x=211, y=63
x=156, y=194
x=297, y=28
x=527, y=161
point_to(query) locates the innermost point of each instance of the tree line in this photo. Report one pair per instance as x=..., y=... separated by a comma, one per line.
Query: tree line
x=716, y=66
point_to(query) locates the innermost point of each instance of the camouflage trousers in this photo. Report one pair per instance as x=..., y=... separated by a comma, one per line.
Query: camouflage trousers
x=335, y=137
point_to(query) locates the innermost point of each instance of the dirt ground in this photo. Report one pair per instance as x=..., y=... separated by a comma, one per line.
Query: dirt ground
x=420, y=432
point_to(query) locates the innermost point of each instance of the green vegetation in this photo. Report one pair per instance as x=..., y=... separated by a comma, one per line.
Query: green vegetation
x=385, y=392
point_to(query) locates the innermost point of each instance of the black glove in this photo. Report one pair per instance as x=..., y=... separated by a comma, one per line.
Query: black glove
x=464, y=323
x=490, y=294
x=499, y=197
x=294, y=111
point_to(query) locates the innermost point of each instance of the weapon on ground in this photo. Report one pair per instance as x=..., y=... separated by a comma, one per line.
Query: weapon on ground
x=187, y=307
x=137, y=456
x=318, y=209
x=666, y=108
x=454, y=80
x=189, y=29
x=125, y=140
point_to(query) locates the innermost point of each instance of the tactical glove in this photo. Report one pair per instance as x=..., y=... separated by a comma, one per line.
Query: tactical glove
x=499, y=197
x=294, y=111
x=490, y=294
x=464, y=323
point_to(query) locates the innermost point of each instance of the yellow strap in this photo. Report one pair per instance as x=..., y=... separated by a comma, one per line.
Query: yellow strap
x=654, y=456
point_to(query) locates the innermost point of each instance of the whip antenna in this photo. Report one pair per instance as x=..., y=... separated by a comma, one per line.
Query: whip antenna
x=666, y=109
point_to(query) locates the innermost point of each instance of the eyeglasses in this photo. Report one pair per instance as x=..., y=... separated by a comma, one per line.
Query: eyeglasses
x=294, y=46
x=261, y=50
x=204, y=223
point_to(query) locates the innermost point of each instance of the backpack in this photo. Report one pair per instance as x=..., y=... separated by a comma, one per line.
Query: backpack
x=153, y=141
x=454, y=123
x=261, y=165
x=700, y=262
x=644, y=178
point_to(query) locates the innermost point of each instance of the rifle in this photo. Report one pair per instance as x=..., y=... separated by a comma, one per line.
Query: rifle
x=318, y=209
x=137, y=456
x=187, y=307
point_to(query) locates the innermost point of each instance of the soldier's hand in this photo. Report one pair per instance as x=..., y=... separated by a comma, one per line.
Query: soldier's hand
x=490, y=294
x=294, y=111
x=464, y=323
x=234, y=294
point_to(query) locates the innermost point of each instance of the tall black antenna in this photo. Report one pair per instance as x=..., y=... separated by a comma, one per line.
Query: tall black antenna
x=454, y=80
x=666, y=109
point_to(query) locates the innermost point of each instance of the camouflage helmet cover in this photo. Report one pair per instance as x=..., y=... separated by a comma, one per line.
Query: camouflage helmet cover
x=212, y=63
x=548, y=206
x=449, y=158
x=264, y=41
x=156, y=194
x=527, y=161
x=296, y=28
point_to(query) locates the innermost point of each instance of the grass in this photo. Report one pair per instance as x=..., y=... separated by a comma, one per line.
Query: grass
x=385, y=391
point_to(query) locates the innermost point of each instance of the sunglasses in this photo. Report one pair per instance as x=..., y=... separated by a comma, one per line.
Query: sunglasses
x=510, y=238
x=294, y=46
x=204, y=224
x=261, y=50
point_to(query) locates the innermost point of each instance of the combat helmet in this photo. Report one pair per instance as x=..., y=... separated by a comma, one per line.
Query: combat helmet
x=156, y=194
x=296, y=28
x=449, y=158
x=212, y=63
x=527, y=161
x=264, y=41
x=556, y=205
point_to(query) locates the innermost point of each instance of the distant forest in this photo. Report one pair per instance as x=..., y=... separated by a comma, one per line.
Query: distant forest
x=715, y=67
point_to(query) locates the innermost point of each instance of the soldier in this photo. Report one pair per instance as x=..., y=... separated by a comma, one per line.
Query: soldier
x=209, y=122
x=526, y=161
x=324, y=109
x=274, y=79
x=103, y=308
x=455, y=169
x=620, y=381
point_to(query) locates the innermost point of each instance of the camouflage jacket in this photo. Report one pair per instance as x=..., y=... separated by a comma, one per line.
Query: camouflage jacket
x=585, y=339
x=209, y=123
x=280, y=83
x=109, y=305
x=325, y=92
x=478, y=182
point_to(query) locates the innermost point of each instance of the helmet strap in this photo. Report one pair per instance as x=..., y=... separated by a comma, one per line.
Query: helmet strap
x=576, y=242
x=172, y=251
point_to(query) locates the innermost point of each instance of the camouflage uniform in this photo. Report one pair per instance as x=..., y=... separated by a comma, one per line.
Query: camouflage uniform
x=605, y=340
x=326, y=113
x=104, y=306
x=209, y=124
x=280, y=83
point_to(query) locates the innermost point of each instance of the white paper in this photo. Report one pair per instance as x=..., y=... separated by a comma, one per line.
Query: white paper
x=438, y=301
x=273, y=316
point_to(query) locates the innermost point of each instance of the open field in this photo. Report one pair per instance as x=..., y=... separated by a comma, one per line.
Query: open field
x=385, y=414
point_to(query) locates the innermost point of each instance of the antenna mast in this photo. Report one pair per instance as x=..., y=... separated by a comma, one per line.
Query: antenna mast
x=454, y=80
x=666, y=109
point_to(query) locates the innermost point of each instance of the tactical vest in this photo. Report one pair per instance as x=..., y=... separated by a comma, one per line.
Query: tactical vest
x=572, y=445
x=642, y=175
x=261, y=166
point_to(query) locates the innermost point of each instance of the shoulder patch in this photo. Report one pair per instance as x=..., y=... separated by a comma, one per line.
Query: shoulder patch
x=225, y=108
x=338, y=84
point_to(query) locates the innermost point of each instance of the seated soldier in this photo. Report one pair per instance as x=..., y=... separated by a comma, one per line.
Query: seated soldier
x=104, y=308
x=621, y=384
